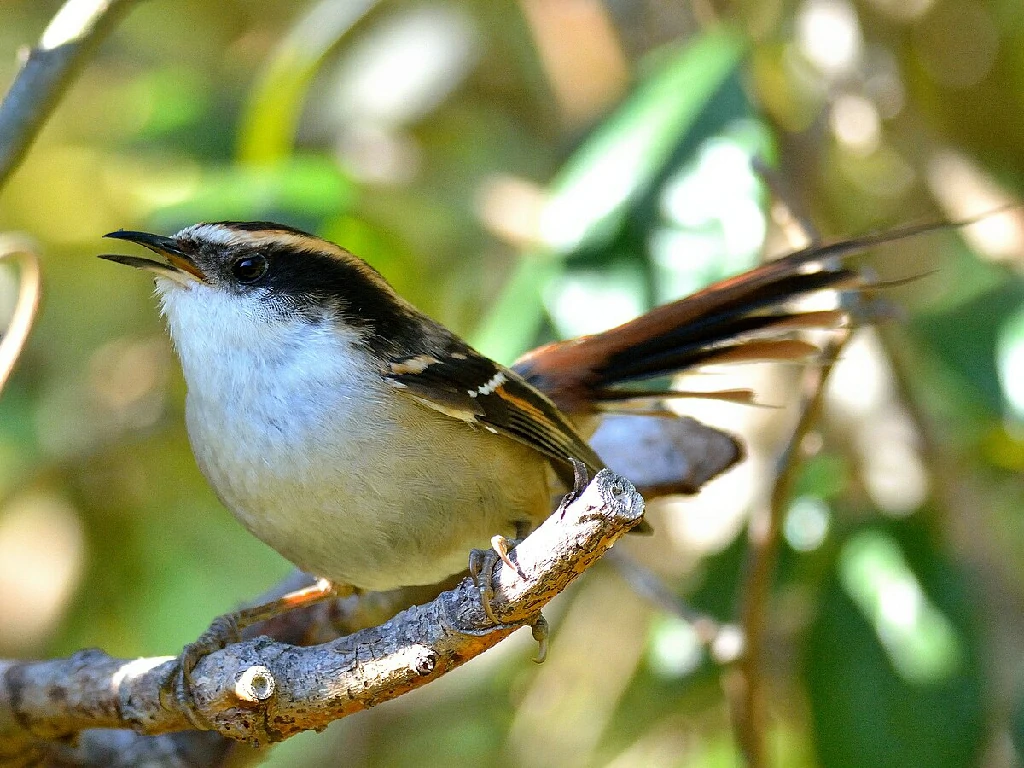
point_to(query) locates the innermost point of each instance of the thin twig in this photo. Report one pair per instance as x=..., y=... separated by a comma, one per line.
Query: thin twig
x=746, y=684
x=749, y=699
x=789, y=216
x=260, y=691
x=13, y=339
x=646, y=583
x=48, y=70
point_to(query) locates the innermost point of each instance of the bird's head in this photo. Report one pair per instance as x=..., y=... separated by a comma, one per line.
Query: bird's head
x=264, y=284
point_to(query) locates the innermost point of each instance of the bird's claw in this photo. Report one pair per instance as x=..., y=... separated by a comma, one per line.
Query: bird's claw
x=178, y=690
x=481, y=568
x=541, y=631
x=580, y=480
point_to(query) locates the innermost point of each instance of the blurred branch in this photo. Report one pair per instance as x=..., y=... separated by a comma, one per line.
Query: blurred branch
x=13, y=339
x=746, y=688
x=47, y=72
x=260, y=691
x=795, y=224
x=748, y=695
x=127, y=749
x=649, y=586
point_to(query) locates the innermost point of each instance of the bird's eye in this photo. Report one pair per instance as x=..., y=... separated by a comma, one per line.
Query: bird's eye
x=249, y=269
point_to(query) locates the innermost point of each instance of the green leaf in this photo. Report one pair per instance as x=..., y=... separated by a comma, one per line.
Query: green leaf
x=300, y=190
x=966, y=340
x=510, y=328
x=1011, y=363
x=592, y=194
x=275, y=105
x=894, y=673
x=1017, y=726
x=825, y=476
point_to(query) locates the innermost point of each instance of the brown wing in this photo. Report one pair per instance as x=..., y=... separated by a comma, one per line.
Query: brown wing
x=465, y=385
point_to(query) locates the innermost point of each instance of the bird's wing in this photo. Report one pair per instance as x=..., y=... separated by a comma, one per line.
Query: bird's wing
x=461, y=383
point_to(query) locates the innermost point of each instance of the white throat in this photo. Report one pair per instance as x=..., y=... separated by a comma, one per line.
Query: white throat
x=259, y=385
x=232, y=347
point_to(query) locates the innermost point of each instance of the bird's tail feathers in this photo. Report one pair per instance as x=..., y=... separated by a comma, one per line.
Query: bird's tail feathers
x=761, y=315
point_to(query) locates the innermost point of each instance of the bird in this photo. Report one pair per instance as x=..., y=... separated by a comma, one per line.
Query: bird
x=374, y=448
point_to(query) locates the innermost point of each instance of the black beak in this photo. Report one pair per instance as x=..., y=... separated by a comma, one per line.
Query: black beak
x=179, y=266
x=156, y=243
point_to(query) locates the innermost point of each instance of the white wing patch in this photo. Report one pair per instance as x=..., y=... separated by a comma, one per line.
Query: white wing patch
x=493, y=383
x=413, y=365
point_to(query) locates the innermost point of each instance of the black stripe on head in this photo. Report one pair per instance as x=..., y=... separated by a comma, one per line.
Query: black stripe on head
x=315, y=284
x=260, y=226
x=313, y=279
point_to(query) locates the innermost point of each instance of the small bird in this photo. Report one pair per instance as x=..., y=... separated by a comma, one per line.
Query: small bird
x=374, y=448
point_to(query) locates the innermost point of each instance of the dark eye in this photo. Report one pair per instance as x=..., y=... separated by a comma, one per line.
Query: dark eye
x=249, y=269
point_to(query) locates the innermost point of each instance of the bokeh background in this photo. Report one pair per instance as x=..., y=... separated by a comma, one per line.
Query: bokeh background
x=542, y=168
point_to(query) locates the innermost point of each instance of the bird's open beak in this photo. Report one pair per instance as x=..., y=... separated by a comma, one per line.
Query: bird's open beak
x=179, y=266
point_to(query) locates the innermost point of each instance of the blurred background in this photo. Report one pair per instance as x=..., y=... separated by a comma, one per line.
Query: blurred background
x=538, y=169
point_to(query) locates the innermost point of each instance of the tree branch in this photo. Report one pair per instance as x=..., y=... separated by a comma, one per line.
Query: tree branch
x=13, y=338
x=745, y=685
x=260, y=691
x=121, y=748
x=47, y=72
x=748, y=695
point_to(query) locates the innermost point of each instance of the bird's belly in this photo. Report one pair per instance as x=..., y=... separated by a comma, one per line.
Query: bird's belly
x=361, y=501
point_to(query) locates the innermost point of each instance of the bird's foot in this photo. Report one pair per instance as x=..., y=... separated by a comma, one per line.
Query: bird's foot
x=178, y=690
x=482, y=563
x=481, y=567
x=541, y=631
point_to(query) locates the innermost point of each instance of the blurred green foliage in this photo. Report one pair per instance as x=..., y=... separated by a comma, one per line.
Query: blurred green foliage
x=522, y=170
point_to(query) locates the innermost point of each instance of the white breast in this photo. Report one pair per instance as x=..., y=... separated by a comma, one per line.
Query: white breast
x=319, y=457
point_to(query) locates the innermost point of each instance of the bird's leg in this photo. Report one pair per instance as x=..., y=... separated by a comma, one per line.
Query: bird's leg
x=227, y=629
x=483, y=561
x=481, y=568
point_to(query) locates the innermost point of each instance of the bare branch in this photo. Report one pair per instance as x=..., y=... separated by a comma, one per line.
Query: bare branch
x=121, y=748
x=260, y=691
x=12, y=340
x=747, y=689
x=745, y=685
x=48, y=70
x=788, y=214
